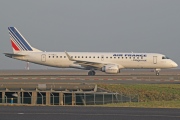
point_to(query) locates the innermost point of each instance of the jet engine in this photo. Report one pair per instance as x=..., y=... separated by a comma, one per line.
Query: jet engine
x=111, y=69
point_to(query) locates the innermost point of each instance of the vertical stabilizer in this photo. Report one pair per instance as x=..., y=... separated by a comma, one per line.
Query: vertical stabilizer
x=18, y=42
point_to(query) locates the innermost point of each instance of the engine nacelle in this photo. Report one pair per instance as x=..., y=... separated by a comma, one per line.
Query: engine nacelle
x=112, y=69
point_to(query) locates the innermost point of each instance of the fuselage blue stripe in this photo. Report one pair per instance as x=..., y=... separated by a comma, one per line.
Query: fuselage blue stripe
x=21, y=38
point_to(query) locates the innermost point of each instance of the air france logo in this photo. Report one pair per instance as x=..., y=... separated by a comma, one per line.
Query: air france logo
x=131, y=55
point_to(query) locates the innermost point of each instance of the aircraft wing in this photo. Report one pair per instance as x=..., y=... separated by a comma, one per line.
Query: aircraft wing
x=87, y=63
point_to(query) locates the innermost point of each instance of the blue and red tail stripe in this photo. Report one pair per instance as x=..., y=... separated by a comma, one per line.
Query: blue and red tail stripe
x=18, y=41
x=14, y=42
x=15, y=46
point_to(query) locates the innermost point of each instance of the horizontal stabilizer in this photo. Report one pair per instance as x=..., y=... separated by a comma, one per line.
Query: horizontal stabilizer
x=13, y=55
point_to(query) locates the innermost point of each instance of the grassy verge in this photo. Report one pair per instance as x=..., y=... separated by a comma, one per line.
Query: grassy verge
x=150, y=104
x=150, y=95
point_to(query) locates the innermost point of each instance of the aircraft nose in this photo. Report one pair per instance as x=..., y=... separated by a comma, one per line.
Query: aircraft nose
x=174, y=64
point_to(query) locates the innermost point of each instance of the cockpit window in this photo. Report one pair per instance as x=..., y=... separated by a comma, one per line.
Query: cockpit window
x=164, y=57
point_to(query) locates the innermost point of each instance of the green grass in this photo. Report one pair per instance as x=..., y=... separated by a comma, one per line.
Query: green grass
x=147, y=92
x=150, y=104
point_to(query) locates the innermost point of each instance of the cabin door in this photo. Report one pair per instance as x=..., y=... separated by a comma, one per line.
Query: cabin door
x=43, y=58
x=155, y=59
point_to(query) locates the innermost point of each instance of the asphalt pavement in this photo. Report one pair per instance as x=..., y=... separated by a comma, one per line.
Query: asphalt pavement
x=86, y=113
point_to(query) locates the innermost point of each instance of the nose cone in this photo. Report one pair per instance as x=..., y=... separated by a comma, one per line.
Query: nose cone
x=174, y=64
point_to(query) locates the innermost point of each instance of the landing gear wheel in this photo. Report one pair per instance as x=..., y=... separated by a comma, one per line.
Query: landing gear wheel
x=157, y=73
x=91, y=73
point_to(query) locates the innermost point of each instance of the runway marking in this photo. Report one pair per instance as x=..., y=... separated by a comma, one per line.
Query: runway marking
x=20, y=113
x=138, y=80
x=94, y=114
x=106, y=78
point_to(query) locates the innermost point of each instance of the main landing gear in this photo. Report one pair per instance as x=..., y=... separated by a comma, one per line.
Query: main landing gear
x=91, y=73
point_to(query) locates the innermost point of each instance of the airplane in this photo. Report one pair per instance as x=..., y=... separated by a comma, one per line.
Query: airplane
x=110, y=63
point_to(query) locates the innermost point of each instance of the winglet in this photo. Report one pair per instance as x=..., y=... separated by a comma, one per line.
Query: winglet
x=69, y=57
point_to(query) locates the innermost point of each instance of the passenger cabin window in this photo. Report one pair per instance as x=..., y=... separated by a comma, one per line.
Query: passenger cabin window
x=94, y=57
x=56, y=56
x=49, y=56
x=71, y=56
x=64, y=56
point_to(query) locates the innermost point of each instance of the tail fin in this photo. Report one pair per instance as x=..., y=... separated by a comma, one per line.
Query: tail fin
x=18, y=42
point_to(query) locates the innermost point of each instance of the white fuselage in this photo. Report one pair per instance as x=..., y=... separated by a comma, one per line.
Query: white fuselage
x=110, y=63
x=124, y=60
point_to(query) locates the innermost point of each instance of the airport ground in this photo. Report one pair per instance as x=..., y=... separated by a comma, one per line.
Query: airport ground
x=126, y=77
x=87, y=113
x=80, y=76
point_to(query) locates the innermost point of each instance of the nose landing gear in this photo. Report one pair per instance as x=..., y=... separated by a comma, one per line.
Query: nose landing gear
x=157, y=72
